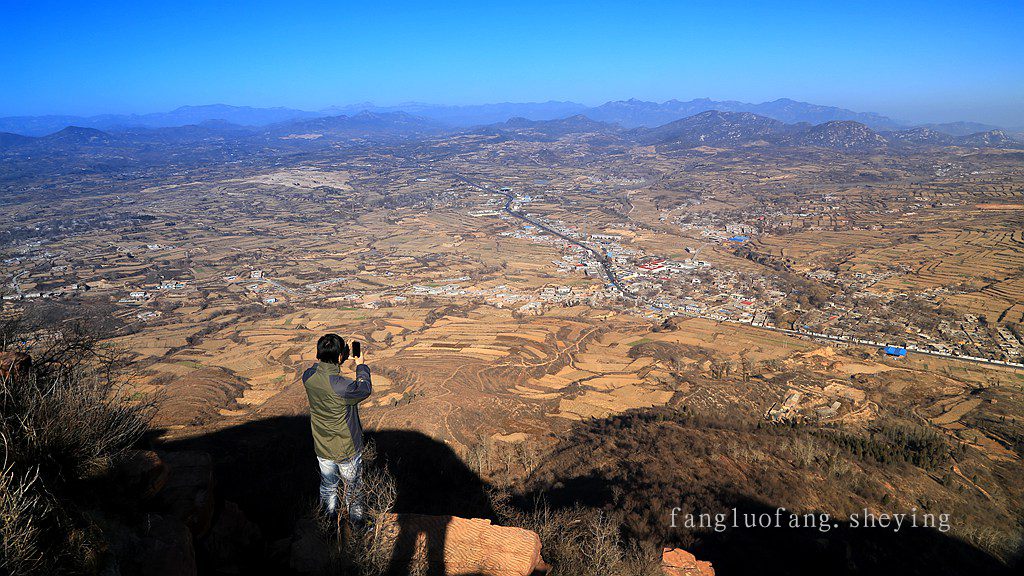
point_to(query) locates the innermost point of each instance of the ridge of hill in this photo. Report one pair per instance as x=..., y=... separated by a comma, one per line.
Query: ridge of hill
x=632, y=113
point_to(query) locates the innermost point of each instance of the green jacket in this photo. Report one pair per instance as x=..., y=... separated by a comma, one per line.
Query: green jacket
x=334, y=409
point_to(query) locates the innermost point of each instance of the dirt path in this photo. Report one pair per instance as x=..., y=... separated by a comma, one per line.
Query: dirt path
x=575, y=345
x=447, y=406
x=956, y=470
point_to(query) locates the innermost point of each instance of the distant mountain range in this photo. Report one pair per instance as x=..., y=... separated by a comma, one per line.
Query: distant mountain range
x=635, y=113
x=368, y=126
x=520, y=128
x=626, y=113
x=474, y=115
x=184, y=116
x=719, y=129
x=711, y=128
x=730, y=129
x=361, y=125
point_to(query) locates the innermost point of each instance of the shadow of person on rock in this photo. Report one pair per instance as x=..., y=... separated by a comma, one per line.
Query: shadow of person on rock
x=419, y=546
x=269, y=469
x=429, y=479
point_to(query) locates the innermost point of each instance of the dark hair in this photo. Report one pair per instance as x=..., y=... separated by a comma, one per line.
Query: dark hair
x=331, y=348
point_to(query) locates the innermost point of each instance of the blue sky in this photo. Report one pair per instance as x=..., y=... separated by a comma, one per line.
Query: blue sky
x=940, y=60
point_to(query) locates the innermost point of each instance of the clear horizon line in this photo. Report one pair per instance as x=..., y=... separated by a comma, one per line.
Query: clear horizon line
x=369, y=104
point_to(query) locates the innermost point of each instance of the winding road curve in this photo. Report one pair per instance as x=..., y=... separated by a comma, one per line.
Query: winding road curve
x=603, y=259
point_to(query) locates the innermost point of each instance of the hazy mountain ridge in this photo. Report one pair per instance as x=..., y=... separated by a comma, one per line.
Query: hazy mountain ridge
x=182, y=116
x=78, y=136
x=545, y=130
x=919, y=136
x=990, y=139
x=960, y=128
x=9, y=139
x=635, y=113
x=843, y=134
x=712, y=128
x=727, y=129
x=475, y=114
x=362, y=125
x=631, y=113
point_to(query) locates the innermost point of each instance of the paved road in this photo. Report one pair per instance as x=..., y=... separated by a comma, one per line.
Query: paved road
x=509, y=198
x=826, y=337
x=278, y=285
x=15, y=284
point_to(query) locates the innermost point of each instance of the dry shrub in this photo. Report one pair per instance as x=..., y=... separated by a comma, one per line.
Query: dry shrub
x=61, y=425
x=72, y=424
x=364, y=552
x=581, y=541
x=20, y=547
x=372, y=548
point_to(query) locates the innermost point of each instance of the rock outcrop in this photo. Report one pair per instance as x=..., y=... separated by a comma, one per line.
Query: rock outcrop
x=462, y=545
x=679, y=562
x=424, y=544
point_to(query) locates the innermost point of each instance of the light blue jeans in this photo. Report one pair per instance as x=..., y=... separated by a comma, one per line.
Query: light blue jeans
x=350, y=472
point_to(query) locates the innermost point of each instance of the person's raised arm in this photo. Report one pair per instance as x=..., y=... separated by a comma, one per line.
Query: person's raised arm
x=361, y=388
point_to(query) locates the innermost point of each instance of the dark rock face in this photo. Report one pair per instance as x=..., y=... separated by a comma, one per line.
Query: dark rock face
x=170, y=523
x=164, y=548
x=672, y=323
x=188, y=494
x=142, y=474
x=308, y=551
x=232, y=542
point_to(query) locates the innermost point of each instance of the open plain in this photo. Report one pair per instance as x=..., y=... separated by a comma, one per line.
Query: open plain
x=510, y=283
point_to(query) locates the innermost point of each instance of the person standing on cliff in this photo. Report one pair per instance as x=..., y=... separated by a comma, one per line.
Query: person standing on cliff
x=334, y=418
